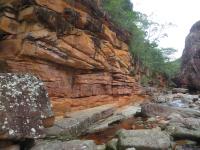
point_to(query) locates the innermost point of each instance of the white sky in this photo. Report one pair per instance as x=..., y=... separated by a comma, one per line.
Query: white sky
x=182, y=13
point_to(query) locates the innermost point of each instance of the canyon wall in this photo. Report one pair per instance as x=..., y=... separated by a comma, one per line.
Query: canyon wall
x=190, y=66
x=81, y=57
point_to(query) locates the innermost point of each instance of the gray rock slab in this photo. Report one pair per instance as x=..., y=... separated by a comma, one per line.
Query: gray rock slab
x=190, y=123
x=69, y=145
x=123, y=113
x=179, y=132
x=144, y=139
x=129, y=111
x=104, y=124
x=79, y=122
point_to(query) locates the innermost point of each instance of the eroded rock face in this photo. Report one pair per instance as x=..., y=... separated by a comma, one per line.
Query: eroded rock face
x=24, y=106
x=190, y=70
x=71, y=46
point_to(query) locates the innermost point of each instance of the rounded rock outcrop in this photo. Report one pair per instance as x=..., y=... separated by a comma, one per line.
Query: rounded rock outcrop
x=190, y=66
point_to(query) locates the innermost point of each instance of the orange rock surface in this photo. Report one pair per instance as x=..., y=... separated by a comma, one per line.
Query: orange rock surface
x=80, y=56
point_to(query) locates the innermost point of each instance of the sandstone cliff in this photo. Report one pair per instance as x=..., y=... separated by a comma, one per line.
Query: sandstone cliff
x=81, y=57
x=190, y=67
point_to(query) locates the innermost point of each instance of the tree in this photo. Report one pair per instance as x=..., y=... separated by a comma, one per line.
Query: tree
x=145, y=36
x=167, y=52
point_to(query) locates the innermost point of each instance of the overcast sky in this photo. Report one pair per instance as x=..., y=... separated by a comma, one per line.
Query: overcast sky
x=182, y=13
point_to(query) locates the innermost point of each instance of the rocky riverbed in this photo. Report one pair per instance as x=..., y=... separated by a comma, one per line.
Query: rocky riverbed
x=166, y=120
x=171, y=120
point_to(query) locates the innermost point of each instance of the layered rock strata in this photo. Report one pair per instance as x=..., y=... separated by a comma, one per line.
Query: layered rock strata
x=80, y=56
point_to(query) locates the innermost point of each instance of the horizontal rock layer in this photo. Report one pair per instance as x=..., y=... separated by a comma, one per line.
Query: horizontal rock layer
x=71, y=46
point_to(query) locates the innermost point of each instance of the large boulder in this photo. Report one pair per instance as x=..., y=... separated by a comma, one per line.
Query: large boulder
x=144, y=139
x=24, y=106
x=190, y=67
x=189, y=123
x=182, y=133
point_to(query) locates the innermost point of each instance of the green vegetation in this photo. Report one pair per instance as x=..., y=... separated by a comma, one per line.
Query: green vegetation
x=172, y=68
x=145, y=36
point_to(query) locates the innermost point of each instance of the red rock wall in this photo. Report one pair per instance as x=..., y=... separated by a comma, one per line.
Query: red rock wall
x=80, y=56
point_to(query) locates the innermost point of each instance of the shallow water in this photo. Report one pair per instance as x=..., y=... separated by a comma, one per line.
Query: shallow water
x=102, y=137
x=106, y=135
x=178, y=103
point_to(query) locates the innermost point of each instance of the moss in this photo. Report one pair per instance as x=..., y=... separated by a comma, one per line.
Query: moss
x=94, y=25
x=145, y=80
x=72, y=16
x=97, y=42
